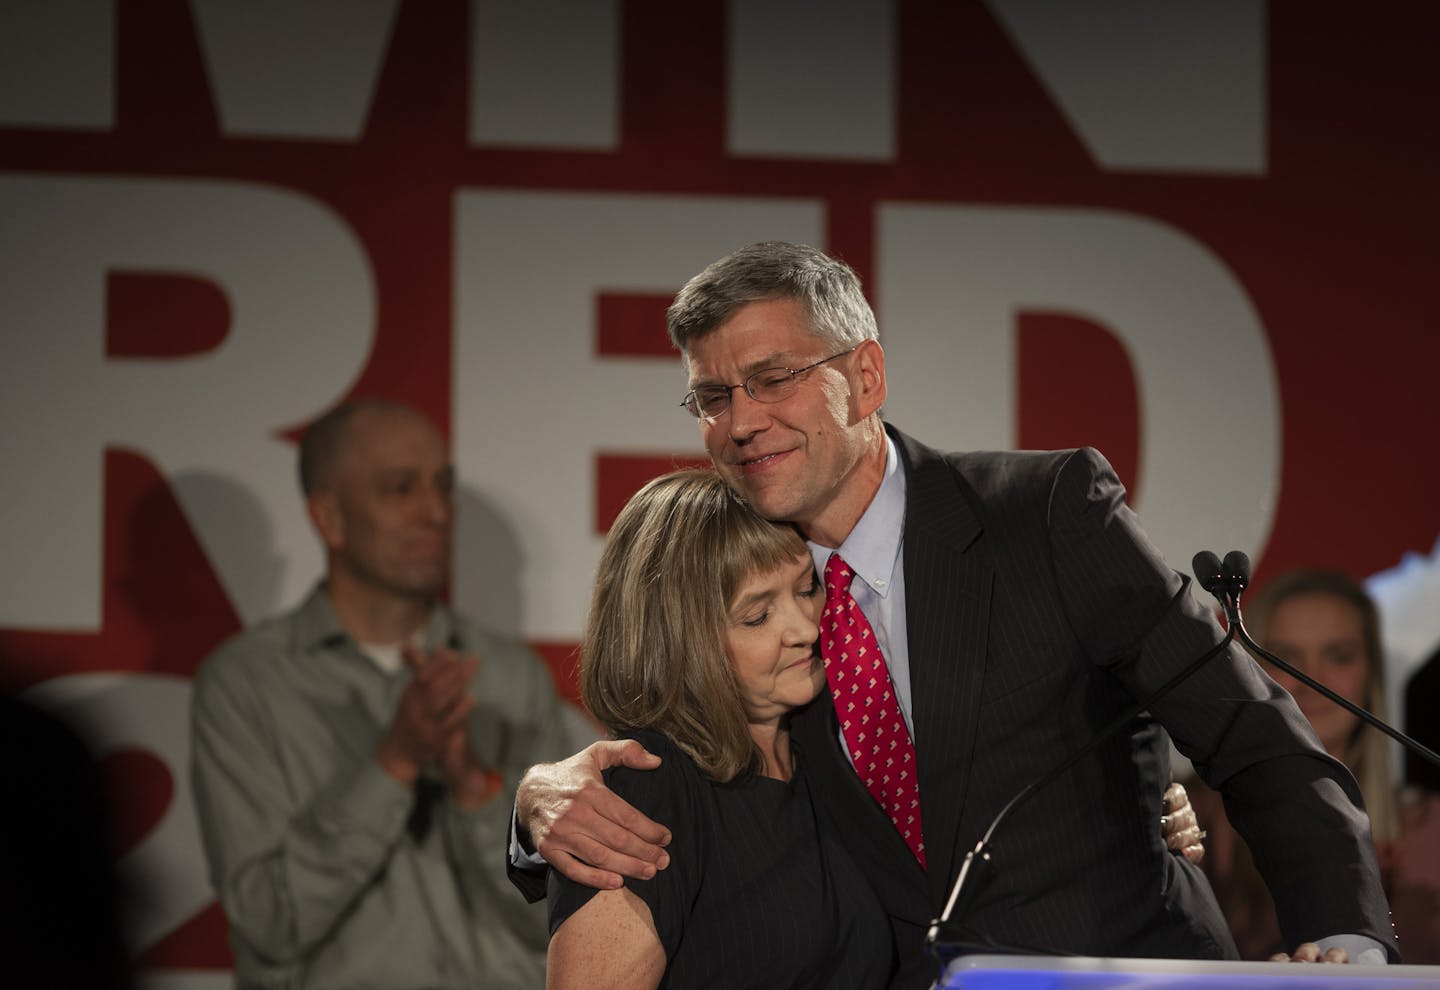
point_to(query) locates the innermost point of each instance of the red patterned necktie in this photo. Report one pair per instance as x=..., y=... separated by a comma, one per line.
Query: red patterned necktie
x=869, y=713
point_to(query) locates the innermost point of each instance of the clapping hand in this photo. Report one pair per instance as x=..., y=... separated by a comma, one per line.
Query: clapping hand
x=429, y=727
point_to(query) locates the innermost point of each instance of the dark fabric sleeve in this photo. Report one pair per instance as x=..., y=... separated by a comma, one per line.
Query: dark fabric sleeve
x=530, y=881
x=1299, y=810
x=674, y=795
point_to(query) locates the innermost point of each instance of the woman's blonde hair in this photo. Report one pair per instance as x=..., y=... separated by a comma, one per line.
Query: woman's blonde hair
x=653, y=656
x=1367, y=753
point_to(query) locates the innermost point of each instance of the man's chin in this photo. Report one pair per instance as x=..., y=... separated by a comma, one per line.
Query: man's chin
x=766, y=495
x=427, y=587
x=774, y=505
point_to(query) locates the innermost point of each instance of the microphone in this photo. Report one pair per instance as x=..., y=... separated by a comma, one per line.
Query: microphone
x=1211, y=574
x=1232, y=580
x=1207, y=570
x=1236, y=569
x=1223, y=580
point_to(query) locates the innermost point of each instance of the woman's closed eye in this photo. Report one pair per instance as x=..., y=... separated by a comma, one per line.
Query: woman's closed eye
x=757, y=621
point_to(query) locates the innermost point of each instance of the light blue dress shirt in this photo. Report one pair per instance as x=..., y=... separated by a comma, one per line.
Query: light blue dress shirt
x=876, y=554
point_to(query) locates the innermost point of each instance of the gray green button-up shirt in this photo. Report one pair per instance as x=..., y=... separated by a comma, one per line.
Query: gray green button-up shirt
x=323, y=883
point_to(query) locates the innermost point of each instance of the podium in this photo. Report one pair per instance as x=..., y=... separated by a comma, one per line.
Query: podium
x=996, y=972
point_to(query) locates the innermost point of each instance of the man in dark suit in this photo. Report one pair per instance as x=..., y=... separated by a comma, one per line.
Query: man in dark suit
x=1019, y=608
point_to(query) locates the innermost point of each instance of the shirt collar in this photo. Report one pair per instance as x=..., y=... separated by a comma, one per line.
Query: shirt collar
x=873, y=546
x=318, y=627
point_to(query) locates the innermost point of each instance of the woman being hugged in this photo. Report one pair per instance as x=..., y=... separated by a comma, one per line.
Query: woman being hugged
x=702, y=638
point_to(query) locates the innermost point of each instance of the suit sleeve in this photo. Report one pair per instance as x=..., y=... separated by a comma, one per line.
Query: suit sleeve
x=1299, y=810
x=526, y=875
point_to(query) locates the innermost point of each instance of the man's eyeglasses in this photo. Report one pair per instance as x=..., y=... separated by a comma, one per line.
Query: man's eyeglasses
x=766, y=385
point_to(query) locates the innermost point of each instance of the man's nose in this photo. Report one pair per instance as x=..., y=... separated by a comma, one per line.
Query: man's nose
x=438, y=506
x=747, y=415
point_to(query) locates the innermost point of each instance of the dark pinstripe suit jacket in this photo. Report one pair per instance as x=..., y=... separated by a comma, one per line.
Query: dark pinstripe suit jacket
x=1037, y=611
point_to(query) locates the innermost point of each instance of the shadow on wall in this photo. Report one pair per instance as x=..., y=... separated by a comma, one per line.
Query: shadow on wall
x=250, y=580
x=172, y=602
x=487, y=552
x=249, y=539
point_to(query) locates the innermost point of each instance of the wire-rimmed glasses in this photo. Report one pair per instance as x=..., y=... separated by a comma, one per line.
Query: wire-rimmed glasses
x=766, y=385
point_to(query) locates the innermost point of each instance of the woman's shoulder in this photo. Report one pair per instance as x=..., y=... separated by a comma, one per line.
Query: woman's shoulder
x=654, y=741
x=657, y=743
x=676, y=774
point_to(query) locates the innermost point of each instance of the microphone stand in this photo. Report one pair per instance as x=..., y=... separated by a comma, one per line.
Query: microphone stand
x=1232, y=613
x=1226, y=582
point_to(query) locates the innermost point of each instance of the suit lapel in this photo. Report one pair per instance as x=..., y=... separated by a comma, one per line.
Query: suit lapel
x=947, y=611
x=868, y=834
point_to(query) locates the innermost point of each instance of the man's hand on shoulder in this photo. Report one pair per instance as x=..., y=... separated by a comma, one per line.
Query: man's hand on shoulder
x=567, y=815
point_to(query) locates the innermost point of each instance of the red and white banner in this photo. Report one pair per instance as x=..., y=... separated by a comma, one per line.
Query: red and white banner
x=1199, y=237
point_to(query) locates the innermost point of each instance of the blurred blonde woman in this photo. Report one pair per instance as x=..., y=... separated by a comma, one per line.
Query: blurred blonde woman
x=1325, y=624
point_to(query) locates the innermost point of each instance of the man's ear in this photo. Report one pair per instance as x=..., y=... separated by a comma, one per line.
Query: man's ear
x=869, y=389
x=324, y=510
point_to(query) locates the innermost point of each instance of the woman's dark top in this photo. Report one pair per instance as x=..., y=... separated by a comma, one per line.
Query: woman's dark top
x=757, y=894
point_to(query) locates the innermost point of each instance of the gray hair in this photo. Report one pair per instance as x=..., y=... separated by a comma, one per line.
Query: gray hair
x=828, y=288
